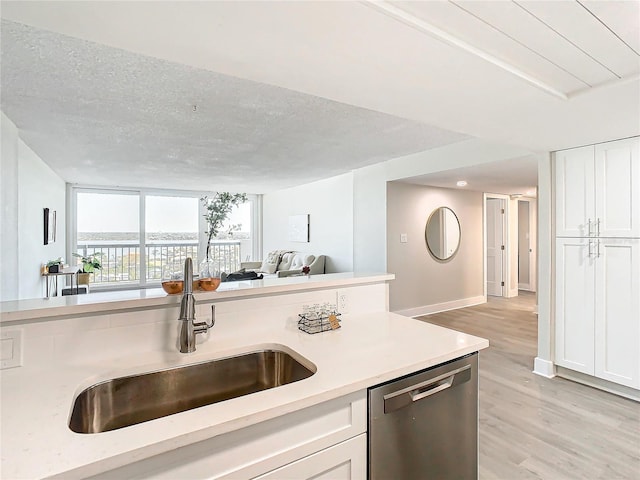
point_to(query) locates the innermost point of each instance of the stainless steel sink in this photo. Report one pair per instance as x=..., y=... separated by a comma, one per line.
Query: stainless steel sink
x=129, y=400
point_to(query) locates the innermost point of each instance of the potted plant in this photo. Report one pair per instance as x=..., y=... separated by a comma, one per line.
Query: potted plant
x=90, y=263
x=217, y=209
x=54, y=266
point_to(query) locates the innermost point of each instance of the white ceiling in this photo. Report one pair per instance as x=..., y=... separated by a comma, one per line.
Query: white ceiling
x=541, y=75
x=103, y=116
x=516, y=176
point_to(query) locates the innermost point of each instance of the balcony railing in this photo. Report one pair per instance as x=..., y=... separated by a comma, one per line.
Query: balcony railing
x=121, y=261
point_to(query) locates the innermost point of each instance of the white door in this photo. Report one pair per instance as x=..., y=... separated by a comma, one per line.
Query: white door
x=495, y=246
x=575, y=304
x=575, y=192
x=617, y=184
x=617, y=298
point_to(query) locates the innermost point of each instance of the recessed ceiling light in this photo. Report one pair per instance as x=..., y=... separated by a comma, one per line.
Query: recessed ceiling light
x=461, y=183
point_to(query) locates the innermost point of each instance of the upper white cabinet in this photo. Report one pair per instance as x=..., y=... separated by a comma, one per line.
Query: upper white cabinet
x=575, y=191
x=598, y=190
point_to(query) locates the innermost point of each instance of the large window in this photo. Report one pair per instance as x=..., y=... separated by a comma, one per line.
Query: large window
x=109, y=223
x=138, y=232
x=171, y=232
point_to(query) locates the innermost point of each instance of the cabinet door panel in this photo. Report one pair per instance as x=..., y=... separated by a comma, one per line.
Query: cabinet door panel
x=345, y=461
x=575, y=304
x=618, y=311
x=617, y=180
x=575, y=201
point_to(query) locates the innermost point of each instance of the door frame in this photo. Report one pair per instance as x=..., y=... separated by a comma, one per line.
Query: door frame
x=533, y=243
x=506, y=264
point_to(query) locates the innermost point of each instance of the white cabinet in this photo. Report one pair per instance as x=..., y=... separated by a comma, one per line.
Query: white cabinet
x=345, y=461
x=598, y=307
x=597, y=267
x=575, y=191
x=297, y=444
x=598, y=190
x=575, y=312
x=617, y=307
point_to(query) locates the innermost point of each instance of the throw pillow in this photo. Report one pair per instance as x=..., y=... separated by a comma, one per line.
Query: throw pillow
x=270, y=264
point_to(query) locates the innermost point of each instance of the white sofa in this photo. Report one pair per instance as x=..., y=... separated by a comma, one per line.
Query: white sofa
x=283, y=263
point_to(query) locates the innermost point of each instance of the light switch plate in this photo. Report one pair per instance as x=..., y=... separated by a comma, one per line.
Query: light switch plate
x=11, y=349
x=403, y=238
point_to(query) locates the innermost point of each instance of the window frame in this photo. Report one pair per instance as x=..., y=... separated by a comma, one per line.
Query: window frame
x=72, y=224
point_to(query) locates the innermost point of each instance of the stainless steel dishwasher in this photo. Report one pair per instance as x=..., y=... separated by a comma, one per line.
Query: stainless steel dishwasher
x=425, y=425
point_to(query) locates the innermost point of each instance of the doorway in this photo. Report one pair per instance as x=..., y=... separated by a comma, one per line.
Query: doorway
x=496, y=245
x=526, y=244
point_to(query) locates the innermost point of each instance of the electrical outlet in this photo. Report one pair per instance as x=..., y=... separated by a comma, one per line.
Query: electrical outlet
x=403, y=238
x=343, y=302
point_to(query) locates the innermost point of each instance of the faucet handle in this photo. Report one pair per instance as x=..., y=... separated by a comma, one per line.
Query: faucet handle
x=203, y=327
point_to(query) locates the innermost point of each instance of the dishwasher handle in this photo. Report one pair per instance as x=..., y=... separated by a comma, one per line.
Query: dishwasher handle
x=402, y=398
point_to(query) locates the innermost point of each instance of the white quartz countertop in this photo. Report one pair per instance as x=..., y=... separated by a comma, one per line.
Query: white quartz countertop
x=97, y=302
x=368, y=350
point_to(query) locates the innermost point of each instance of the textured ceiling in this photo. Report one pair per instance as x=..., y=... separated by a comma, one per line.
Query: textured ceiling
x=541, y=75
x=103, y=116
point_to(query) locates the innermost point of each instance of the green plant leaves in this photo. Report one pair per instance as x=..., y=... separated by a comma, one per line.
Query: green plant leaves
x=218, y=209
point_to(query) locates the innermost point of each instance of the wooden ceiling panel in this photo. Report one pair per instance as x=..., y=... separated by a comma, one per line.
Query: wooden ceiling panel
x=466, y=27
x=578, y=25
x=623, y=17
x=526, y=29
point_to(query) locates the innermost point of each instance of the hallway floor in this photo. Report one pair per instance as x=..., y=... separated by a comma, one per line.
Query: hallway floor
x=532, y=427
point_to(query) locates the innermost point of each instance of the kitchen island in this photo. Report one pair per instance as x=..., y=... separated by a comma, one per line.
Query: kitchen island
x=245, y=437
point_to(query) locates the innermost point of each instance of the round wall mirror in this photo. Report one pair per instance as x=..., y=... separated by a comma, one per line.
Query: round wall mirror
x=442, y=233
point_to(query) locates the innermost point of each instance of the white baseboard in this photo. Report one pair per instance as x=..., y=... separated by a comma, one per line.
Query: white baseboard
x=512, y=292
x=599, y=383
x=544, y=368
x=442, y=307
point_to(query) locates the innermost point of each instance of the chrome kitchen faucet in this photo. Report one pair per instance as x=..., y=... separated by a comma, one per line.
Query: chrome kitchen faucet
x=190, y=327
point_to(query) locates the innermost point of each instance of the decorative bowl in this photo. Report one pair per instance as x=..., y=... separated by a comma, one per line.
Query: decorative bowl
x=173, y=287
x=210, y=283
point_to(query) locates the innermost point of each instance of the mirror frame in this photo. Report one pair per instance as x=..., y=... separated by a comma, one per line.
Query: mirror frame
x=426, y=239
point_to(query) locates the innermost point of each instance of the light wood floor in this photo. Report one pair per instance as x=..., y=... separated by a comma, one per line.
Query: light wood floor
x=532, y=427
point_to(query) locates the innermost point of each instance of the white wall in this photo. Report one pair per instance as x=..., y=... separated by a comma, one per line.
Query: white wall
x=9, y=212
x=370, y=191
x=330, y=206
x=28, y=186
x=424, y=284
x=543, y=364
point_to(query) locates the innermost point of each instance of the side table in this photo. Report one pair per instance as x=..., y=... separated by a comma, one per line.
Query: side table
x=51, y=280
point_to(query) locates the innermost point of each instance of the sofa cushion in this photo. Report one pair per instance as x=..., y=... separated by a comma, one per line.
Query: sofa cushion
x=270, y=263
x=286, y=261
x=293, y=261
